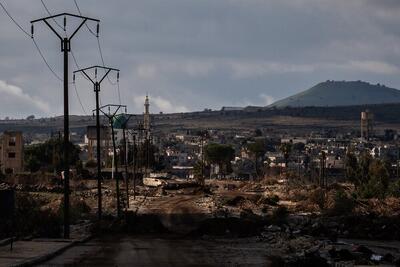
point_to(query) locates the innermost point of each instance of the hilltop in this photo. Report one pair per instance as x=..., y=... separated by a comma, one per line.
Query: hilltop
x=341, y=93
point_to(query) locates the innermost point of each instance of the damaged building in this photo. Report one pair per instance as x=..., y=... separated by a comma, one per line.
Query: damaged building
x=11, y=152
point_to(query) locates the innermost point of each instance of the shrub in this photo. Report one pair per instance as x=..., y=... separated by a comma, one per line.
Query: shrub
x=342, y=204
x=394, y=189
x=374, y=188
x=31, y=219
x=79, y=209
x=318, y=198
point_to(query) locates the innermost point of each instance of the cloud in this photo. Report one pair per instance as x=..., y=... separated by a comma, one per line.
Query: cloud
x=192, y=68
x=190, y=55
x=374, y=67
x=268, y=100
x=254, y=69
x=15, y=100
x=160, y=104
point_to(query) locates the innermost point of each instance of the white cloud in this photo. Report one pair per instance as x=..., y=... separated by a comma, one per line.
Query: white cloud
x=14, y=98
x=374, y=67
x=159, y=104
x=253, y=69
x=191, y=68
x=268, y=100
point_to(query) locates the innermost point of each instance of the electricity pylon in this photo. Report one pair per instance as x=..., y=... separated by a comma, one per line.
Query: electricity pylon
x=96, y=84
x=127, y=117
x=65, y=48
x=110, y=111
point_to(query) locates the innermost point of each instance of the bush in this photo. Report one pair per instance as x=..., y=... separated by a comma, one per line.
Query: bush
x=318, y=198
x=394, y=189
x=342, y=204
x=374, y=188
x=30, y=219
x=79, y=209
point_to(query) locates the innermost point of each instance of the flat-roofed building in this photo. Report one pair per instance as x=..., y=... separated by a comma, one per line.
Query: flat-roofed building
x=12, y=152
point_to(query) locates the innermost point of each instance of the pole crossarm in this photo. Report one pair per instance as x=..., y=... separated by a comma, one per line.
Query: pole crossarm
x=65, y=15
x=108, y=70
x=109, y=106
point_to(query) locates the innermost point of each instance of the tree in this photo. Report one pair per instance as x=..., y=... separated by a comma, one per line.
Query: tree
x=363, y=167
x=258, y=149
x=48, y=155
x=221, y=155
x=33, y=164
x=370, y=176
x=286, y=149
x=351, y=165
x=377, y=182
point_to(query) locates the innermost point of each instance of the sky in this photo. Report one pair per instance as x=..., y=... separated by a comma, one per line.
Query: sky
x=189, y=55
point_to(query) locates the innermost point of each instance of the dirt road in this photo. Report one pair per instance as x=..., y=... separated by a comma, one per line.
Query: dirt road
x=122, y=250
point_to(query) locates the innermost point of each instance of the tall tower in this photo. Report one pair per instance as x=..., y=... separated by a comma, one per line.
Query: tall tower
x=367, y=120
x=146, y=117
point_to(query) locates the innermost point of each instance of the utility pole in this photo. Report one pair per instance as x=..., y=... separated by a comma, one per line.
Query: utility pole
x=65, y=48
x=96, y=84
x=111, y=115
x=323, y=179
x=134, y=166
x=124, y=127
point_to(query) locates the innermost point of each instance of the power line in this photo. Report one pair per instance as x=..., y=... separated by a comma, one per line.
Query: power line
x=48, y=12
x=80, y=13
x=79, y=99
x=45, y=61
x=34, y=42
x=101, y=53
x=15, y=22
x=73, y=56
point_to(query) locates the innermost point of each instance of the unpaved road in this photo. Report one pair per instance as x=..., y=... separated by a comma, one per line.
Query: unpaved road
x=122, y=250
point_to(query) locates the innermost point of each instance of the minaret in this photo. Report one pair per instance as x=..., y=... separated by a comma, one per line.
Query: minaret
x=146, y=117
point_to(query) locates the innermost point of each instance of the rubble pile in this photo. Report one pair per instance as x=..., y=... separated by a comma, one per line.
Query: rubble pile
x=303, y=250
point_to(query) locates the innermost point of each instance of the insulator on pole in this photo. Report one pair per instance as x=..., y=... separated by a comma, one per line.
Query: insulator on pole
x=98, y=29
x=126, y=110
x=74, y=77
x=118, y=76
x=65, y=22
x=32, y=30
x=95, y=72
x=93, y=114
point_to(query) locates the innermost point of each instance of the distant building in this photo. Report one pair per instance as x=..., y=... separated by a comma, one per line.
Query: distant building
x=367, y=120
x=105, y=142
x=11, y=152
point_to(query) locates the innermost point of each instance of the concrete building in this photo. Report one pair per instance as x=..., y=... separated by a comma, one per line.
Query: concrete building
x=11, y=152
x=105, y=142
